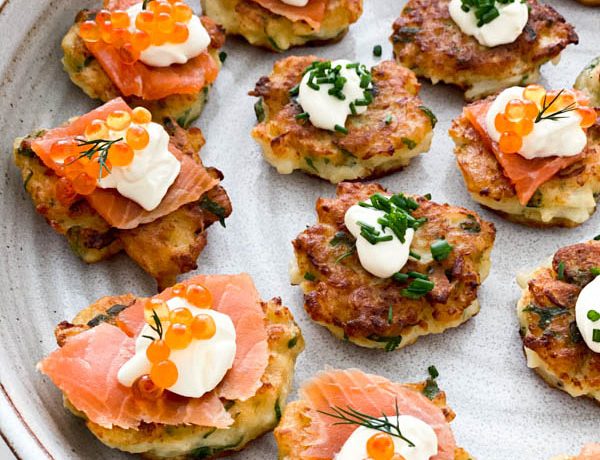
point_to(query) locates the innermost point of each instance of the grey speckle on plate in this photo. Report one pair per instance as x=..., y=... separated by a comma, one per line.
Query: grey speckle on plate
x=504, y=411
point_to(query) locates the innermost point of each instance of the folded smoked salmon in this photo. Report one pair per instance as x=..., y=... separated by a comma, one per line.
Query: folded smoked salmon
x=104, y=337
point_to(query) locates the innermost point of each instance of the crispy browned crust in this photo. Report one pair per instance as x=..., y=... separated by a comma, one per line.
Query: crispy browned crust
x=165, y=248
x=485, y=179
x=343, y=295
x=428, y=41
x=370, y=140
x=569, y=364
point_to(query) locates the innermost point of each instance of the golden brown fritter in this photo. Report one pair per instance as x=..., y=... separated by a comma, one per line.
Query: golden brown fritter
x=87, y=73
x=253, y=417
x=395, y=127
x=567, y=200
x=263, y=28
x=371, y=311
x=429, y=42
x=292, y=432
x=165, y=248
x=588, y=81
x=552, y=342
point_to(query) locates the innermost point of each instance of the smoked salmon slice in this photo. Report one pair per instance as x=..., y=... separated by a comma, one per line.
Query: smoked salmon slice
x=369, y=394
x=120, y=212
x=312, y=13
x=526, y=175
x=86, y=367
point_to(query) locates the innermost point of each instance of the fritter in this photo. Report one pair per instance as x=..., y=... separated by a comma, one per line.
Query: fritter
x=566, y=200
x=372, y=312
x=428, y=41
x=87, y=73
x=552, y=342
x=588, y=81
x=395, y=127
x=253, y=417
x=164, y=248
x=264, y=28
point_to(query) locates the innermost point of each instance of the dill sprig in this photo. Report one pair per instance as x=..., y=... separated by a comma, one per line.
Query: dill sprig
x=157, y=327
x=99, y=147
x=351, y=416
x=145, y=4
x=555, y=115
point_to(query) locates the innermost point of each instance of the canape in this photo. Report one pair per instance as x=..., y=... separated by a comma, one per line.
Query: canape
x=281, y=24
x=339, y=120
x=380, y=269
x=194, y=372
x=588, y=82
x=348, y=414
x=152, y=53
x=559, y=320
x=481, y=47
x=531, y=155
x=113, y=180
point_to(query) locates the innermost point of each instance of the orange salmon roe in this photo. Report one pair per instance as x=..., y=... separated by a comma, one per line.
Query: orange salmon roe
x=502, y=124
x=198, y=296
x=515, y=110
x=523, y=127
x=178, y=290
x=63, y=149
x=181, y=315
x=84, y=184
x=128, y=54
x=380, y=446
x=89, y=31
x=588, y=116
x=180, y=33
x=158, y=351
x=93, y=168
x=118, y=120
x=203, y=327
x=182, y=12
x=164, y=374
x=120, y=154
x=72, y=167
x=145, y=388
x=65, y=193
x=137, y=137
x=120, y=19
x=178, y=336
x=157, y=305
x=97, y=129
x=510, y=142
x=535, y=94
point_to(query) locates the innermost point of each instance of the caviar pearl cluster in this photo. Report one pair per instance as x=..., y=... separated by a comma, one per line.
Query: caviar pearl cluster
x=176, y=329
x=380, y=446
x=520, y=115
x=81, y=161
x=160, y=22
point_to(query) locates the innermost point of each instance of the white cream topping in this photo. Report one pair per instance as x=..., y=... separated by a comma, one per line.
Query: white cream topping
x=153, y=169
x=326, y=111
x=563, y=137
x=384, y=258
x=417, y=431
x=201, y=366
x=589, y=300
x=504, y=29
x=299, y=3
x=173, y=53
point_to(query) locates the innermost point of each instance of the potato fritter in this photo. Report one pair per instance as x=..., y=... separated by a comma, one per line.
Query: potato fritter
x=429, y=42
x=263, y=28
x=395, y=127
x=552, y=342
x=566, y=200
x=87, y=73
x=253, y=417
x=165, y=248
x=588, y=81
x=372, y=312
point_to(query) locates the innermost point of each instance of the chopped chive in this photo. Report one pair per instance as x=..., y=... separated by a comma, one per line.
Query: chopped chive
x=294, y=91
x=596, y=335
x=427, y=196
x=309, y=276
x=377, y=51
x=417, y=289
x=440, y=250
x=341, y=129
x=595, y=271
x=414, y=255
x=417, y=275
x=353, y=108
x=222, y=56
x=561, y=271
x=593, y=315
x=388, y=119
x=402, y=277
x=390, y=314
x=597, y=238
x=302, y=116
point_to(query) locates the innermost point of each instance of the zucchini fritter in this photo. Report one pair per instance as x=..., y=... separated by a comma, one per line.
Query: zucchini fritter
x=566, y=200
x=588, y=81
x=395, y=127
x=164, y=248
x=429, y=42
x=372, y=312
x=253, y=417
x=551, y=340
x=87, y=73
x=263, y=28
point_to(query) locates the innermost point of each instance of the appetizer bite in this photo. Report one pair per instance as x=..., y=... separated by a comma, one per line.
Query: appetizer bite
x=152, y=53
x=588, y=452
x=531, y=155
x=588, y=82
x=381, y=270
x=281, y=24
x=559, y=316
x=339, y=120
x=348, y=414
x=113, y=180
x=480, y=46
x=197, y=371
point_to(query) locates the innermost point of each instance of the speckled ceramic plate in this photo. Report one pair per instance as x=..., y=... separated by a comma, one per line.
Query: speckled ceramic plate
x=504, y=411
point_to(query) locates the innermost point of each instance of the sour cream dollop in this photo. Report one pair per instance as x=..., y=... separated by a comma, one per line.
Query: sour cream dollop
x=563, y=137
x=173, y=53
x=201, y=366
x=504, y=29
x=589, y=300
x=325, y=111
x=298, y=3
x=417, y=431
x=153, y=169
x=384, y=258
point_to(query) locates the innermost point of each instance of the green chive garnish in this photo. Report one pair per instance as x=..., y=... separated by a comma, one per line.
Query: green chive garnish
x=440, y=250
x=377, y=51
x=593, y=315
x=561, y=271
x=596, y=335
x=341, y=129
